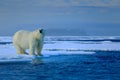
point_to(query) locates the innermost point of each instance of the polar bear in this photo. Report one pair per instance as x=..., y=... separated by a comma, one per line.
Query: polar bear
x=33, y=41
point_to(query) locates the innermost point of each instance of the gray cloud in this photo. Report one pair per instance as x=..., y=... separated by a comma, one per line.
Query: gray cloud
x=54, y=7
x=59, y=3
x=69, y=3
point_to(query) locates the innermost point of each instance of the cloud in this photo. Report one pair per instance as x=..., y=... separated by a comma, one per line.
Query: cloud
x=60, y=3
x=102, y=3
x=57, y=7
x=70, y=3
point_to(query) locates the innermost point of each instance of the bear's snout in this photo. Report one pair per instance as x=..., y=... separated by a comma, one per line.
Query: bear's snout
x=41, y=30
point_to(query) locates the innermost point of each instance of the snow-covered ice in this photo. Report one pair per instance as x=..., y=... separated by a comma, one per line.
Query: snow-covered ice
x=63, y=45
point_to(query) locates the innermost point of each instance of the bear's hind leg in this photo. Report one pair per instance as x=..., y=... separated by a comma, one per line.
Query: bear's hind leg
x=20, y=50
x=23, y=51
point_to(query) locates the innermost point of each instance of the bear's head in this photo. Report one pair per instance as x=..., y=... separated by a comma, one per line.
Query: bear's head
x=39, y=34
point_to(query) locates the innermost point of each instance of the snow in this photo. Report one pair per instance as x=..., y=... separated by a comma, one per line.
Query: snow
x=60, y=46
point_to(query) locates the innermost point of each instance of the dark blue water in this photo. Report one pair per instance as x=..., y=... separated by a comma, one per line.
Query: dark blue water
x=99, y=66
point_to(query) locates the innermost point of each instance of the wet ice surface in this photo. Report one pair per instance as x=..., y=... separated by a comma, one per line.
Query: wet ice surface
x=99, y=66
x=65, y=58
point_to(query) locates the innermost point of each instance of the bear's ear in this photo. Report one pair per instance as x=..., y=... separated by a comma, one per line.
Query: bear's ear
x=41, y=30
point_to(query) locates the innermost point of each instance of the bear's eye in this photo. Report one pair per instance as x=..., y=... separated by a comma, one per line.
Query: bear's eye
x=40, y=31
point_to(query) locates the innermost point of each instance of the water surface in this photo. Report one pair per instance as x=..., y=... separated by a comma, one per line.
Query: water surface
x=99, y=66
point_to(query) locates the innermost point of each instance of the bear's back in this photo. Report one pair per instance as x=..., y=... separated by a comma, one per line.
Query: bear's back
x=21, y=37
x=22, y=34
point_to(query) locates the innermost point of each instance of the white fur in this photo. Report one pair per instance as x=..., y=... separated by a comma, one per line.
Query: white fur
x=23, y=40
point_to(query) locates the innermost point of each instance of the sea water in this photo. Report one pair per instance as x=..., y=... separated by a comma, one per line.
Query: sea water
x=65, y=58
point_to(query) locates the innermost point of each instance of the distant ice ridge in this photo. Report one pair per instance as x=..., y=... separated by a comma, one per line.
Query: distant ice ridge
x=5, y=39
x=79, y=38
x=69, y=38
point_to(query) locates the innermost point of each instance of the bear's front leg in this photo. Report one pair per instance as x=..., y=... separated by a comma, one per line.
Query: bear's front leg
x=32, y=50
x=39, y=49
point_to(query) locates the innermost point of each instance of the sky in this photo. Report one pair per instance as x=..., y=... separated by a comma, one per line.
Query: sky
x=61, y=17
